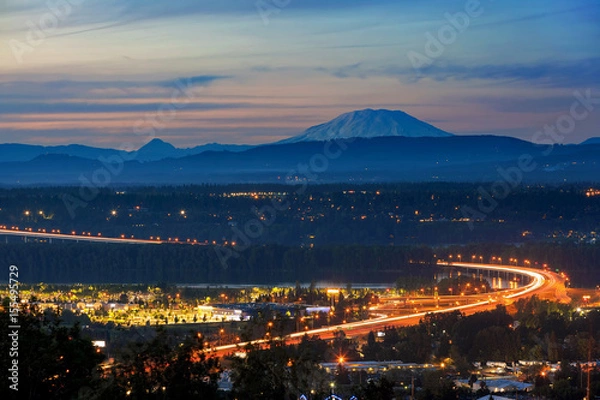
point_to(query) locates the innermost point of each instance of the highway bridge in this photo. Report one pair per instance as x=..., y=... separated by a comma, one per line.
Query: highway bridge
x=73, y=237
x=545, y=284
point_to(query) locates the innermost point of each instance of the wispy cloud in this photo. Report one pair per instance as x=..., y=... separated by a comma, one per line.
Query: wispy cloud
x=348, y=71
x=528, y=105
x=537, y=16
x=67, y=89
x=94, y=10
x=31, y=108
x=551, y=74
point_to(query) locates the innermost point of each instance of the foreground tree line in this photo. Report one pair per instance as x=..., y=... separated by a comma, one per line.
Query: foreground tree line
x=57, y=362
x=535, y=330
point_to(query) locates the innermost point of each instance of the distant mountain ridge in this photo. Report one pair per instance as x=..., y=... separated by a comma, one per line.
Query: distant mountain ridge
x=15, y=152
x=592, y=140
x=367, y=160
x=385, y=146
x=154, y=150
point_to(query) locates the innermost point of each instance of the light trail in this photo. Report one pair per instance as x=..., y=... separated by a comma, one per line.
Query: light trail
x=540, y=280
x=82, y=238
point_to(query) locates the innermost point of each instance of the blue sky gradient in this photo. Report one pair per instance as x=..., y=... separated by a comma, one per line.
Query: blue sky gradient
x=247, y=71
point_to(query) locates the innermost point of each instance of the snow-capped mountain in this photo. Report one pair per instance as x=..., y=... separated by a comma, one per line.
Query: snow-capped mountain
x=368, y=124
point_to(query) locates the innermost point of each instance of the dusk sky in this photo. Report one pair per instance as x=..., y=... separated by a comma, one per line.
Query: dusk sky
x=102, y=72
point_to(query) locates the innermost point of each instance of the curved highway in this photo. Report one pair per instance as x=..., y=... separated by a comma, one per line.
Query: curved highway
x=542, y=283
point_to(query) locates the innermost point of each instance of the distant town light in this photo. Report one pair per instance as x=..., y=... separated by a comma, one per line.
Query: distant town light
x=591, y=192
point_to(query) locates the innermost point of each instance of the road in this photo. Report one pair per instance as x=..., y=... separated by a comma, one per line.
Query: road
x=77, y=238
x=544, y=284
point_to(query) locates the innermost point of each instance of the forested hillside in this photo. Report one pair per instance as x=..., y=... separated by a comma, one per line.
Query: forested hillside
x=106, y=263
x=398, y=214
